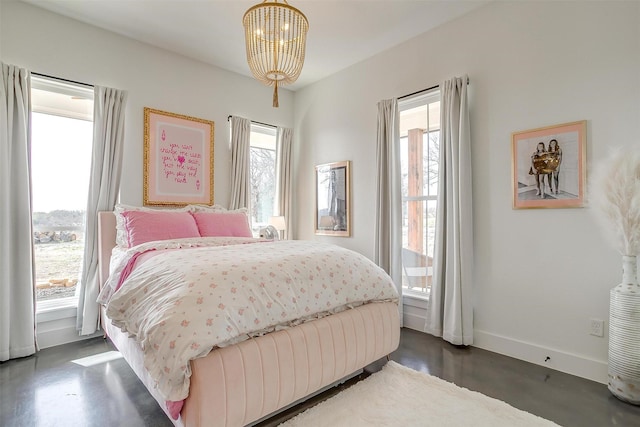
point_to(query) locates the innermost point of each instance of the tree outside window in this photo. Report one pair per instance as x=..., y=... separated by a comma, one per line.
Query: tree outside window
x=262, y=169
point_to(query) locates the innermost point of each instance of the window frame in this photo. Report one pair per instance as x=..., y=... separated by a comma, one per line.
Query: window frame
x=59, y=308
x=270, y=131
x=419, y=100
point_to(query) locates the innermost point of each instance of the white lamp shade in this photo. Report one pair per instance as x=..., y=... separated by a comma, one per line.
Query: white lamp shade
x=278, y=222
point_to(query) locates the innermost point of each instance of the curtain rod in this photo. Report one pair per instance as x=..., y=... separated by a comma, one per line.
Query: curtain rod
x=419, y=91
x=423, y=90
x=253, y=121
x=61, y=79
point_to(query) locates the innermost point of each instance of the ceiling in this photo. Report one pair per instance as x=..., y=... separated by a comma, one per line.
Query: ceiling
x=341, y=32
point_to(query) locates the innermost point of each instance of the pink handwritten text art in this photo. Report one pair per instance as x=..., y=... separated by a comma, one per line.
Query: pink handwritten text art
x=178, y=159
x=181, y=162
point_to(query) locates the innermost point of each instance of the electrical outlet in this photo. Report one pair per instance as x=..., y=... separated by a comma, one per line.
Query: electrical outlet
x=596, y=327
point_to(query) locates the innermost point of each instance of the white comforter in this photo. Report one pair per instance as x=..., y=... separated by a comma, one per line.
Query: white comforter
x=180, y=303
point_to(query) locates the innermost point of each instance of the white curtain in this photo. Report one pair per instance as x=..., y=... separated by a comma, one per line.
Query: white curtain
x=388, y=215
x=104, y=184
x=240, y=174
x=283, y=184
x=450, y=307
x=17, y=272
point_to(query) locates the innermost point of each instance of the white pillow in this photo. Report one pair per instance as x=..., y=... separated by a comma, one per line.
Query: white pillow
x=206, y=208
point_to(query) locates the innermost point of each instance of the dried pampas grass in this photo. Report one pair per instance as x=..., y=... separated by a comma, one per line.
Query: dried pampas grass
x=615, y=196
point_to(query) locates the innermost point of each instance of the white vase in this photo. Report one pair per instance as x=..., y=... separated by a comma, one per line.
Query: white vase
x=624, y=335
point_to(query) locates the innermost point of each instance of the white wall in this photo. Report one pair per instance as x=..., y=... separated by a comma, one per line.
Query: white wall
x=48, y=43
x=51, y=44
x=540, y=275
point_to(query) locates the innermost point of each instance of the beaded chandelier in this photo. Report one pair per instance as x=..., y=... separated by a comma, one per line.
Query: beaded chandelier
x=275, y=37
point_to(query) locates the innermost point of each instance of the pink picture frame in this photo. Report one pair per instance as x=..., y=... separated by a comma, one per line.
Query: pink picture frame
x=548, y=166
x=178, y=159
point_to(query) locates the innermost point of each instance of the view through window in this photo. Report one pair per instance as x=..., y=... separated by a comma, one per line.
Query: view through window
x=61, y=144
x=263, y=174
x=419, y=153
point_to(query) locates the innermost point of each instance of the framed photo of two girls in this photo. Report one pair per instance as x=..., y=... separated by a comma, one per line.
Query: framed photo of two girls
x=548, y=166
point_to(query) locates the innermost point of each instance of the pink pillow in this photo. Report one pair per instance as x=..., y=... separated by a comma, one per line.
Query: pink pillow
x=142, y=227
x=121, y=233
x=225, y=224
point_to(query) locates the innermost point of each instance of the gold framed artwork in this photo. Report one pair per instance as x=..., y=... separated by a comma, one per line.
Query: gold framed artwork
x=178, y=159
x=333, y=199
x=548, y=166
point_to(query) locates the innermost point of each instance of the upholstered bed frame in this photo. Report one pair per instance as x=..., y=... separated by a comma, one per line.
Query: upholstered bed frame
x=244, y=383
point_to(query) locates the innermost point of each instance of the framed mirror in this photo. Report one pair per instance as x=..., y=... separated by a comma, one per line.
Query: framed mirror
x=333, y=199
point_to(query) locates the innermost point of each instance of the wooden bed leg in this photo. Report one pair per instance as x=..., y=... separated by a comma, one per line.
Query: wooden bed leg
x=388, y=357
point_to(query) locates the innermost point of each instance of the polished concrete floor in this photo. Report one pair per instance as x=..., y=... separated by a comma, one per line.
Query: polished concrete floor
x=48, y=389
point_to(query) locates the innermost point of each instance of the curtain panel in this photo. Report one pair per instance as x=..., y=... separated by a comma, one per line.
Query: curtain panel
x=17, y=271
x=450, y=307
x=283, y=184
x=388, y=209
x=104, y=185
x=240, y=156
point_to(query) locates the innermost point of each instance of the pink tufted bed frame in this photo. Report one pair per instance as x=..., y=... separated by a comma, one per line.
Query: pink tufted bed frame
x=247, y=382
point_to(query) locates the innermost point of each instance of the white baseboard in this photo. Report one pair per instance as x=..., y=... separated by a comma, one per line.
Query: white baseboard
x=574, y=364
x=414, y=322
x=60, y=331
x=414, y=313
x=414, y=316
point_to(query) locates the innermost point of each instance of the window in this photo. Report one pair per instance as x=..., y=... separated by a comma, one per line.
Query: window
x=263, y=174
x=419, y=153
x=61, y=144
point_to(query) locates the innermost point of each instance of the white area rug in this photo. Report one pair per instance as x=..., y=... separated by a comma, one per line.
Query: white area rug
x=399, y=396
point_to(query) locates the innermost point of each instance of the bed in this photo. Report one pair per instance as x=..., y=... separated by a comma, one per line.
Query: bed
x=241, y=383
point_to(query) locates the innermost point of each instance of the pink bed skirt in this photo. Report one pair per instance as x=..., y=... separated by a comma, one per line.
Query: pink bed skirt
x=237, y=385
